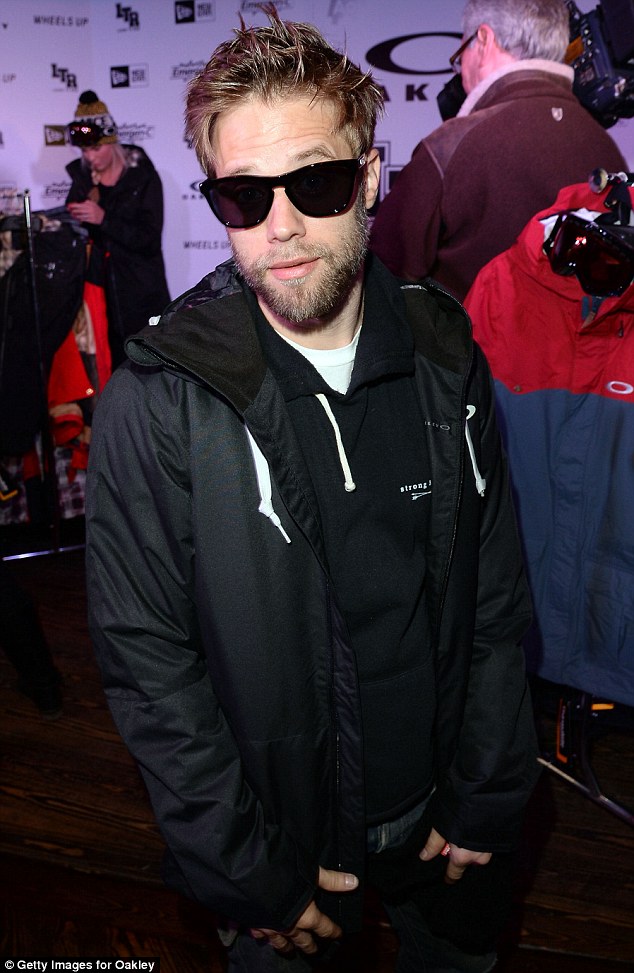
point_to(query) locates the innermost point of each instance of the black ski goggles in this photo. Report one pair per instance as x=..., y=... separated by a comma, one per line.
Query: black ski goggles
x=83, y=135
x=601, y=258
x=320, y=189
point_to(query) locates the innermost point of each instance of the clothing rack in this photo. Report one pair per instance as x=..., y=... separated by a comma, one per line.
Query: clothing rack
x=27, y=225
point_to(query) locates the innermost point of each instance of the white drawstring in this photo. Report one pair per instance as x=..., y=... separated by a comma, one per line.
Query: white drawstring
x=481, y=483
x=263, y=475
x=348, y=483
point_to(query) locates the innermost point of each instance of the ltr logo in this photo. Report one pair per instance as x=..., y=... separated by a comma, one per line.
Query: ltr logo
x=64, y=75
x=129, y=16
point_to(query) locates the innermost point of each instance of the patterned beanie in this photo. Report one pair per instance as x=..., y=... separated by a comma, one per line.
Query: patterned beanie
x=94, y=112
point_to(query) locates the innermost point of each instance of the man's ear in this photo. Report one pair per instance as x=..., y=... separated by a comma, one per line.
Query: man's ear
x=372, y=176
x=485, y=35
x=489, y=53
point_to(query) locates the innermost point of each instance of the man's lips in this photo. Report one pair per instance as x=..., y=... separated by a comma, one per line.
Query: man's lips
x=293, y=269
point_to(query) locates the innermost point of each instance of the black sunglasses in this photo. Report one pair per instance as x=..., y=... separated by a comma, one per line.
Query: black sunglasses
x=602, y=259
x=320, y=189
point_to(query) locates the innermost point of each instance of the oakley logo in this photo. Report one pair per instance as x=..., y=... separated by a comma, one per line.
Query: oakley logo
x=620, y=388
x=382, y=55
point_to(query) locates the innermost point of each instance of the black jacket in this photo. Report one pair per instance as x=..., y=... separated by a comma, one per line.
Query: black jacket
x=224, y=653
x=127, y=245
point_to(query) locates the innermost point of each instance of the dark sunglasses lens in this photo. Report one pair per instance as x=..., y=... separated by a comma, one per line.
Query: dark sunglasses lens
x=604, y=274
x=601, y=267
x=564, y=249
x=239, y=203
x=324, y=189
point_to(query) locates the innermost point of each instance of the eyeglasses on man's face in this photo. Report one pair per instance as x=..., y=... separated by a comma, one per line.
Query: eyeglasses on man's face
x=456, y=58
x=321, y=189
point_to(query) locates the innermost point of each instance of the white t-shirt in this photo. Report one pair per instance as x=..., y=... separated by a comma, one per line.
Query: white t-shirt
x=333, y=364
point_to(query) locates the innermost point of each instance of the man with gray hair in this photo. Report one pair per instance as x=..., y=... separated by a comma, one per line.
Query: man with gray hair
x=519, y=137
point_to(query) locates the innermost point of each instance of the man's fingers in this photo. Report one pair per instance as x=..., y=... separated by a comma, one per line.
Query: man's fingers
x=332, y=881
x=454, y=872
x=433, y=846
x=312, y=922
x=316, y=922
x=303, y=940
x=276, y=939
x=462, y=858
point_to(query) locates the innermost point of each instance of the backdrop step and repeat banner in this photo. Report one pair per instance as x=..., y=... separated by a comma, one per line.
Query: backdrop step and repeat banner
x=138, y=56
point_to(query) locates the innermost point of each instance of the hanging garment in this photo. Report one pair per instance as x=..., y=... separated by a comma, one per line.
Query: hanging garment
x=563, y=364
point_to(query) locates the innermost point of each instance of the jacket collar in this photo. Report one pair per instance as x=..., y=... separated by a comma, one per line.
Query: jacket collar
x=490, y=88
x=215, y=341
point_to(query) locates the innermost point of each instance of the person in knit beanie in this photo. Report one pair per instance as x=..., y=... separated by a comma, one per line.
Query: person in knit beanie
x=116, y=193
x=93, y=123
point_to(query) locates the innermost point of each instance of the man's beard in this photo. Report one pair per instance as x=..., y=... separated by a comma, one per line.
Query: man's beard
x=300, y=300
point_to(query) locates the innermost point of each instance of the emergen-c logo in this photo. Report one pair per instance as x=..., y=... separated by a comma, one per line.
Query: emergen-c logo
x=253, y=6
x=129, y=76
x=193, y=11
x=56, y=191
x=185, y=72
x=138, y=132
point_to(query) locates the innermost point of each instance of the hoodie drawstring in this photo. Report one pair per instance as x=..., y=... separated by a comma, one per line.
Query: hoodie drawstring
x=263, y=475
x=480, y=482
x=348, y=483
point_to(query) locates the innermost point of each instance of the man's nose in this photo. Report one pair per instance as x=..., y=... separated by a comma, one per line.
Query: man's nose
x=284, y=220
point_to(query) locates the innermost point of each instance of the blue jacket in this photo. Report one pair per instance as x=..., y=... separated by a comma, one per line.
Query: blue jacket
x=563, y=365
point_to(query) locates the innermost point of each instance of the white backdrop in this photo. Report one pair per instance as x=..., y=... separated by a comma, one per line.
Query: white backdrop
x=138, y=57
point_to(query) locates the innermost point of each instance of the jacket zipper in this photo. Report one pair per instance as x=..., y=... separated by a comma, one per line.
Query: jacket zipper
x=454, y=529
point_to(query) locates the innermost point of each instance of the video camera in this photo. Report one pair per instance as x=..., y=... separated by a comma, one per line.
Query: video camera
x=601, y=53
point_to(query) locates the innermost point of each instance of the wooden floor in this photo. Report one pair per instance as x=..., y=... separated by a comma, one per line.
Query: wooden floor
x=80, y=854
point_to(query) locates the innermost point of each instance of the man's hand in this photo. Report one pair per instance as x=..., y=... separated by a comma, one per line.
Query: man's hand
x=312, y=922
x=458, y=859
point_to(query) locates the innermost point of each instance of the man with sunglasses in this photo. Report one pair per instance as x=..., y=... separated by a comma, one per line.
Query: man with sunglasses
x=305, y=588
x=519, y=137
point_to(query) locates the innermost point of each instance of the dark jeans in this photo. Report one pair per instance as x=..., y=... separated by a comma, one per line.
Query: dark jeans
x=421, y=951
